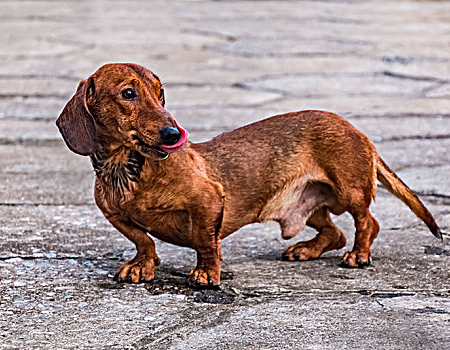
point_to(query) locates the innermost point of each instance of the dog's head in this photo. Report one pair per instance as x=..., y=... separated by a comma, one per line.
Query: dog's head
x=120, y=104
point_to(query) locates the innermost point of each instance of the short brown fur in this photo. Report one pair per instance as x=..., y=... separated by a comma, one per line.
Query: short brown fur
x=295, y=169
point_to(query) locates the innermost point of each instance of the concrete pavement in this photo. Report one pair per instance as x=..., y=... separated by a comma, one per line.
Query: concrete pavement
x=384, y=65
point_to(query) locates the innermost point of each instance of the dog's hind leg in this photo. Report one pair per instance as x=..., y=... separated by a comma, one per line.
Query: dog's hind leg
x=367, y=229
x=329, y=237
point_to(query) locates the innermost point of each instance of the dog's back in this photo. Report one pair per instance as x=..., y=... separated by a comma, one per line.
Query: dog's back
x=266, y=166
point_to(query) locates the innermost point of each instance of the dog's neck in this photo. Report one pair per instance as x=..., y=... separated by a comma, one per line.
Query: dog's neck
x=118, y=167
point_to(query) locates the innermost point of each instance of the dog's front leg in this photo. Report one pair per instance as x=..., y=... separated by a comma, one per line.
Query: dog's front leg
x=208, y=245
x=207, y=211
x=142, y=267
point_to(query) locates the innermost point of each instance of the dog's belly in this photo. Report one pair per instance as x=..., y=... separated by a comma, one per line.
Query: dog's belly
x=172, y=226
x=292, y=205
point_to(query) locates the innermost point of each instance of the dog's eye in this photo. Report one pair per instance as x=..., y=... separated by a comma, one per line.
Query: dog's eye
x=161, y=97
x=128, y=94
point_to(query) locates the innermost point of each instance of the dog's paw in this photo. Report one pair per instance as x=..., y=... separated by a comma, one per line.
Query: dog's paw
x=203, y=278
x=140, y=269
x=301, y=251
x=356, y=260
x=301, y=254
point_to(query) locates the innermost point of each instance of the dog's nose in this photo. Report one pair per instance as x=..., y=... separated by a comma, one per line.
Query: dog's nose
x=169, y=135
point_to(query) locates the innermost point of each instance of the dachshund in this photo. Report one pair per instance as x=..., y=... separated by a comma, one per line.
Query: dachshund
x=294, y=169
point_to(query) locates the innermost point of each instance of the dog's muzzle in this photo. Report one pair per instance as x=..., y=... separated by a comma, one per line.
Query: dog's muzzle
x=172, y=138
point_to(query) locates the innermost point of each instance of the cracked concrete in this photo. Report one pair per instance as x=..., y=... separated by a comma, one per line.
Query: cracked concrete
x=381, y=64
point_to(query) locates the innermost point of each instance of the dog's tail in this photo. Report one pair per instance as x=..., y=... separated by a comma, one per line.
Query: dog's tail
x=398, y=188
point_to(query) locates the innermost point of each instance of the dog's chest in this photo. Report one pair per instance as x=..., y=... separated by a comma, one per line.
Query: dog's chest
x=162, y=217
x=164, y=198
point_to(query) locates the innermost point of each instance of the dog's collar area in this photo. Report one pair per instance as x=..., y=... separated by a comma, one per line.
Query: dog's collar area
x=119, y=174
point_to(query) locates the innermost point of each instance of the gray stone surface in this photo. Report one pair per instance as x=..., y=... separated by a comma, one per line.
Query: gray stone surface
x=382, y=64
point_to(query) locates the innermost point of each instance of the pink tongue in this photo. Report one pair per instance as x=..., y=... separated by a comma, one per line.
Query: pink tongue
x=179, y=144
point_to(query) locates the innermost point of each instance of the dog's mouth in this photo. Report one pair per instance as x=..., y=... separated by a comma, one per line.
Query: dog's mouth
x=162, y=151
x=155, y=151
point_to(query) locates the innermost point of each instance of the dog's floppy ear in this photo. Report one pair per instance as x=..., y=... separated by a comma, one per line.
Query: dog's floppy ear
x=76, y=122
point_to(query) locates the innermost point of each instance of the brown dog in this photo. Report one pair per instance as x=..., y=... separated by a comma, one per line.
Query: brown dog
x=294, y=168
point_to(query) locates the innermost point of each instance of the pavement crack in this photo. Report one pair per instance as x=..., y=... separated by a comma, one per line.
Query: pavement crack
x=436, y=251
x=414, y=77
x=249, y=106
x=211, y=34
x=397, y=59
x=379, y=303
x=36, y=95
x=432, y=194
x=37, y=77
x=60, y=258
x=31, y=257
x=28, y=118
x=247, y=87
x=12, y=204
x=276, y=76
x=398, y=116
x=193, y=84
x=189, y=321
x=415, y=137
x=274, y=55
x=29, y=142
